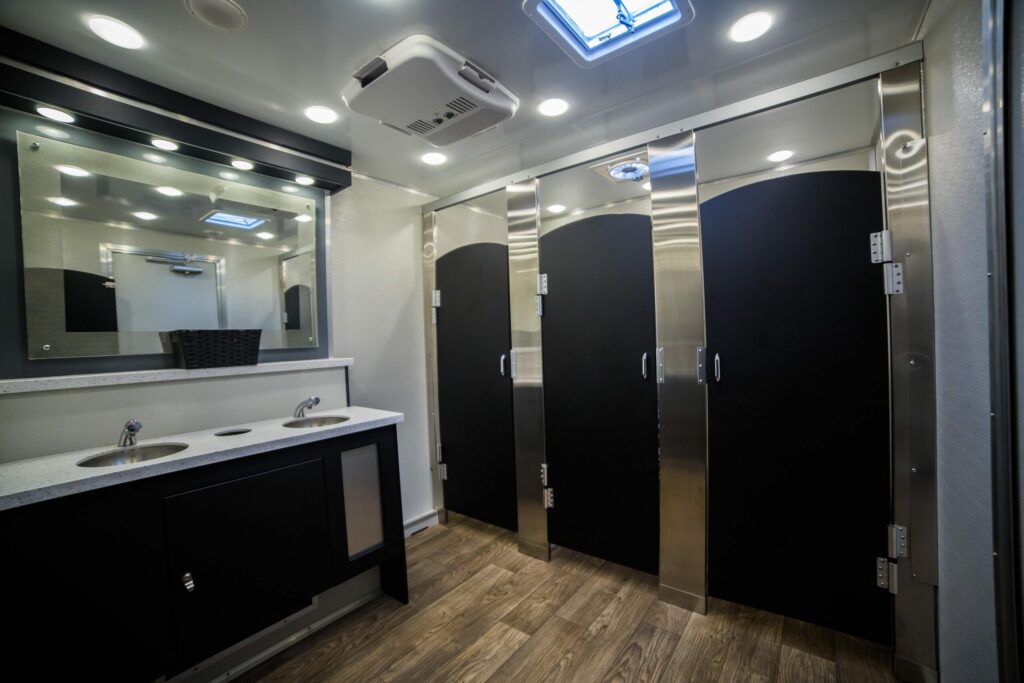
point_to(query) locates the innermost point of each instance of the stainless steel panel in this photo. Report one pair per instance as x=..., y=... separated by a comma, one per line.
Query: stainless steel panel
x=912, y=359
x=430, y=337
x=682, y=399
x=528, y=377
x=850, y=74
x=360, y=477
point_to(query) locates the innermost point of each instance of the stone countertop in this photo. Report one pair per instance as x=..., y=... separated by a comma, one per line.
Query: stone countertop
x=37, y=479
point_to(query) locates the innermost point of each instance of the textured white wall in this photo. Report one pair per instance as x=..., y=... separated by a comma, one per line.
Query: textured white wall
x=953, y=94
x=377, y=309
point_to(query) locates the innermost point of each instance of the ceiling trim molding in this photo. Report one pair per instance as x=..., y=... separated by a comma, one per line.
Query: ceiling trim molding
x=869, y=68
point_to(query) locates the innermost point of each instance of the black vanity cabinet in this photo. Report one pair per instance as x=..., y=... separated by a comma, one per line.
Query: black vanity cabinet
x=149, y=578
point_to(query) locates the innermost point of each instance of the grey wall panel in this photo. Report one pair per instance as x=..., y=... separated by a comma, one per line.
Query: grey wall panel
x=954, y=123
x=679, y=309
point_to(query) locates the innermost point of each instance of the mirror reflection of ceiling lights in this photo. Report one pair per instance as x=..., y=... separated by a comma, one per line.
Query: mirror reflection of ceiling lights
x=232, y=220
x=592, y=31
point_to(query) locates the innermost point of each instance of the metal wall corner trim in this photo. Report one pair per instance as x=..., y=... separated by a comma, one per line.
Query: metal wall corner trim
x=682, y=399
x=430, y=338
x=912, y=364
x=528, y=376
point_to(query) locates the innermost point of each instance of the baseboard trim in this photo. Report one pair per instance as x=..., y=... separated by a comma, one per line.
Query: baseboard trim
x=680, y=598
x=420, y=522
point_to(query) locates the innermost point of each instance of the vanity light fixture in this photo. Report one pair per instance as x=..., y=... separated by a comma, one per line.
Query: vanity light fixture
x=433, y=158
x=304, y=180
x=228, y=175
x=55, y=114
x=303, y=218
x=116, y=32
x=145, y=215
x=556, y=208
x=750, y=27
x=155, y=158
x=74, y=171
x=52, y=132
x=554, y=106
x=266, y=235
x=242, y=164
x=169, y=191
x=320, y=114
x=62, y=201
x=165, y=145
x=781, y=155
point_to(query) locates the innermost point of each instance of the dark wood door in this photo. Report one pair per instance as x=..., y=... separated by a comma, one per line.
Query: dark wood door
x=474, y=386
x=600, y=412
x=256, y=550
x=798, y=423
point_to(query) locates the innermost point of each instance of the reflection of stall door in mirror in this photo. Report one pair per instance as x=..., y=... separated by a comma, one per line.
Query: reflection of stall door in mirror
x=297, y=283
x=151, y=297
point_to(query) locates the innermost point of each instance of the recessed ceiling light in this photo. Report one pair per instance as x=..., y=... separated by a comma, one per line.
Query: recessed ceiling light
x=53, y=132
x=320, y=114
x=55, y=114
x=629, y=170
x=116, y=32
x=72, y=171
x=266, y=235
x=289, y=188
x=304, y=180
x=303, y=218
x=242, y=164
x=228, y=175
x=433, y=158
x=647, y=186
x=165, y=145
x=169, y=191
x=556, y=208
x=781, y=155
x=750, y=27
x=144, y=215
x=62, y=201
x=553, y=107
x=155, y=158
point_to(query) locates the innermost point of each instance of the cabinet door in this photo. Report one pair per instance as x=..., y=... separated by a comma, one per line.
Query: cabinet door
x=243, y=555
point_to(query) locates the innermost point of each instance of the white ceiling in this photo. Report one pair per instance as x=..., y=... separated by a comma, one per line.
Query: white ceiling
x=300, y=52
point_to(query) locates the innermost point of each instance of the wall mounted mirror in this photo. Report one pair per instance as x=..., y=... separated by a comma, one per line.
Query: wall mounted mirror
x=123, y=242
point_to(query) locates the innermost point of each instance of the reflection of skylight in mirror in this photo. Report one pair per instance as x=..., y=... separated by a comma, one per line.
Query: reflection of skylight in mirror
x=597, y=22
x=232, y=220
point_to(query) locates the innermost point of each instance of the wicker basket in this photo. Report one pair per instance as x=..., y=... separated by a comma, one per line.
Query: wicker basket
x=215, y=348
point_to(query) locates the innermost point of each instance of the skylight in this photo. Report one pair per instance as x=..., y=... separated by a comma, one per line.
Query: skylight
x=591, y=30
x=233, y=220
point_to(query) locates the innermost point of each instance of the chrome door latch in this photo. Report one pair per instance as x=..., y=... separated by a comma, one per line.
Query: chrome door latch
x=188, y=582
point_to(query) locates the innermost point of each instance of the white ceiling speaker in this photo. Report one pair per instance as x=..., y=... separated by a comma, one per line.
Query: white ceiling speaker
x=226, y=15
x=424, y=88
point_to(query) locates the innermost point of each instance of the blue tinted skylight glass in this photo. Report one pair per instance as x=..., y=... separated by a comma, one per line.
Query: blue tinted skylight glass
x=232, y=220
x=597, y=22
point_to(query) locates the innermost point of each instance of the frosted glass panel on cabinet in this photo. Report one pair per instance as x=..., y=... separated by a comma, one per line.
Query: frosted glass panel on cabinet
x=361, y=482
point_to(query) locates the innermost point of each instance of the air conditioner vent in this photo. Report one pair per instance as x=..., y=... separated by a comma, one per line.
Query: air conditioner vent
x=420, y=126
x=427, y=89
x=460, y=105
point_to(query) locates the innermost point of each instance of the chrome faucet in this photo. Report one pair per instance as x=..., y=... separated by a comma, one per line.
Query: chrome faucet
x=128, y=434
x=300, y=410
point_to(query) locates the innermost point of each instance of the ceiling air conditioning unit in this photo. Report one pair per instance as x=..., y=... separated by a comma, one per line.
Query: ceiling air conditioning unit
x=424, y=88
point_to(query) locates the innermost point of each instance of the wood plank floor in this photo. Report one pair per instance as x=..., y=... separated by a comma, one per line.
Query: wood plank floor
x=481, y=611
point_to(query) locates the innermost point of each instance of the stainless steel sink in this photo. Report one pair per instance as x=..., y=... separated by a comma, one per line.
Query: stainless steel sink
x=130, y=454
x=321, y=421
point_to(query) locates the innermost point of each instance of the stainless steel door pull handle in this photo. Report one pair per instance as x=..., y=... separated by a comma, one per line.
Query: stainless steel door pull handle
x=186, y=580
x=501, y=365
x=643, y=365
x=718, y=368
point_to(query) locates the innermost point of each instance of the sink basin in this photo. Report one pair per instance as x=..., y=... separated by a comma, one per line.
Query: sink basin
x=130, y=454
x=321, y=421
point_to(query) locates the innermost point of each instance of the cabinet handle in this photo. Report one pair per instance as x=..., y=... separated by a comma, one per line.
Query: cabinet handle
x=186, y=580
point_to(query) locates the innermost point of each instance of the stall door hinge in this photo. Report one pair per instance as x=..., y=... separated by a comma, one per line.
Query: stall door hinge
x=549, y=498
x=437, y=449
x=887, y=575
x=435, y=303
x=443, y=470
x=897, y=541
x=702, y=365
x=881, y=246
x=659, y=364
x=542, y=283
x=893, y=274
x=538, y=305
x=544, y=474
